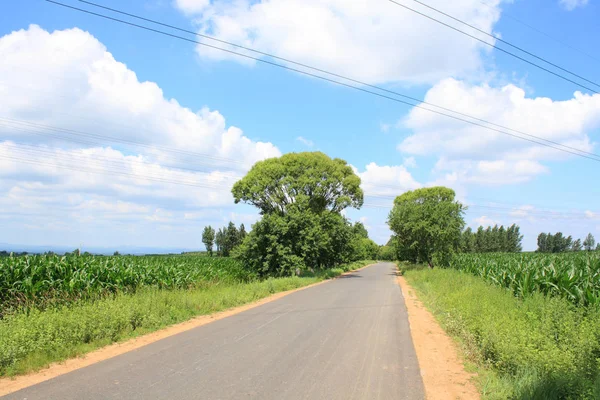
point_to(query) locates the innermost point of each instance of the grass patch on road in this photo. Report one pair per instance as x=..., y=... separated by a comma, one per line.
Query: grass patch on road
x=32, y=340
x=533, y=348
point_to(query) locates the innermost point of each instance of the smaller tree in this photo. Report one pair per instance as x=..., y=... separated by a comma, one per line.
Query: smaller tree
x=116, y=253
x=231, y=238
x=360, y=230
x=576, y=246
x=589, y=242
x=242, y=234
x=220, y=241
x=208, y=238
x=427, y=224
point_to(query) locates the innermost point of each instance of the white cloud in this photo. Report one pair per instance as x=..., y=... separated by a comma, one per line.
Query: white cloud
x=373, y=41
x=410, y=162
x=68, y=80
x=482, y=156
x=570, y=5
x=192, y=6
x=306, y=142
x=386, y=180
x=484, y=221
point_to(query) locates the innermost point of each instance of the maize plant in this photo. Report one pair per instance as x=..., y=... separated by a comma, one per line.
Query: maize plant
x=574, y=276
x=40, y=280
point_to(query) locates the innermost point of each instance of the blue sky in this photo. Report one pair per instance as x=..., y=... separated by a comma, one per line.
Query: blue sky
x=68, y=70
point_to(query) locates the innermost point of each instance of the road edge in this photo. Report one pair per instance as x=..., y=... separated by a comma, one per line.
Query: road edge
x=442, y=369
x=14, y=384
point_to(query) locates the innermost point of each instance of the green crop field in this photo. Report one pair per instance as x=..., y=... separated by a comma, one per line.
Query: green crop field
x=41, y=280
x=574, y=276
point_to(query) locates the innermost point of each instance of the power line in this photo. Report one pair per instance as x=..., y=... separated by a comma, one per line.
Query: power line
x=496, y=207
x=111, y=172
x=500, y=40
x=29, y=131
x=123, y=163
x=494, y=46
x=533, y=28
x=84, y=134
x=161, y=179
x=543, y=215
x=331, y=74
x=113, y=161
x=563, y=148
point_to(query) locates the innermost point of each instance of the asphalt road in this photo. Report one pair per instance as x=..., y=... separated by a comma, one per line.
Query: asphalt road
x=344, y=339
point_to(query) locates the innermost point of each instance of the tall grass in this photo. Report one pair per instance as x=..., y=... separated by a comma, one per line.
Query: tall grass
x=573, y=276
x=40, y=280
x=536, y=347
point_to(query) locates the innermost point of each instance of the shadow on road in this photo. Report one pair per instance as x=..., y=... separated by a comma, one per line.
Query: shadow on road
x=349, y=276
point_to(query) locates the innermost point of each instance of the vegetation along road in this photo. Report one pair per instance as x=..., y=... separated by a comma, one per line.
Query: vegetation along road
x=345, y=339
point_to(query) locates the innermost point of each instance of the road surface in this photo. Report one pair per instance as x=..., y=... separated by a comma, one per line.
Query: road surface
x=344, y=339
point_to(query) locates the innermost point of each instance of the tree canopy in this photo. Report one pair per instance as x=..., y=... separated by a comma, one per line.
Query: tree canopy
x=300, y=197
x=493, y=239
x=589, y=242
x=226, y=239
x=554, y=243
x=310, y=178
x=208, y=238
x=427, y=225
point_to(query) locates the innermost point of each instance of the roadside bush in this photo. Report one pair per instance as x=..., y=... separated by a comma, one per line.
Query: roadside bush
x=279, y=244
x=539, y=347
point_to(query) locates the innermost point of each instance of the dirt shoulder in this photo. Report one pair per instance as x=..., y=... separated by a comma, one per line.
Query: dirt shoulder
x=442, y=370
x=10, y=385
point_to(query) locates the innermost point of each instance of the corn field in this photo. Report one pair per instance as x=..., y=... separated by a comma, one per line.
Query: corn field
x=41, y=280
x=574, y=276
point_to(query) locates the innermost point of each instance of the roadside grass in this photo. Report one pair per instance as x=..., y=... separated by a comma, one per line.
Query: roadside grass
x=32, y=340
x=536, y=348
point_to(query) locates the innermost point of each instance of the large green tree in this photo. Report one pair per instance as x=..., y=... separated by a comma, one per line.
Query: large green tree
x=208, y=238
x=301, y=196
x=310, y=179
x=427, y=224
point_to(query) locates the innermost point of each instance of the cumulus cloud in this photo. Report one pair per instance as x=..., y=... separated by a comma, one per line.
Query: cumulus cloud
x=83, y=140
x=482, y=156
x=570, y=5
x=372, y=41
x=386, y=180
x=68, y=79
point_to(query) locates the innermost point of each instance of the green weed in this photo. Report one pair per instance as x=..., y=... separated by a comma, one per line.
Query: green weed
x=538, y=347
